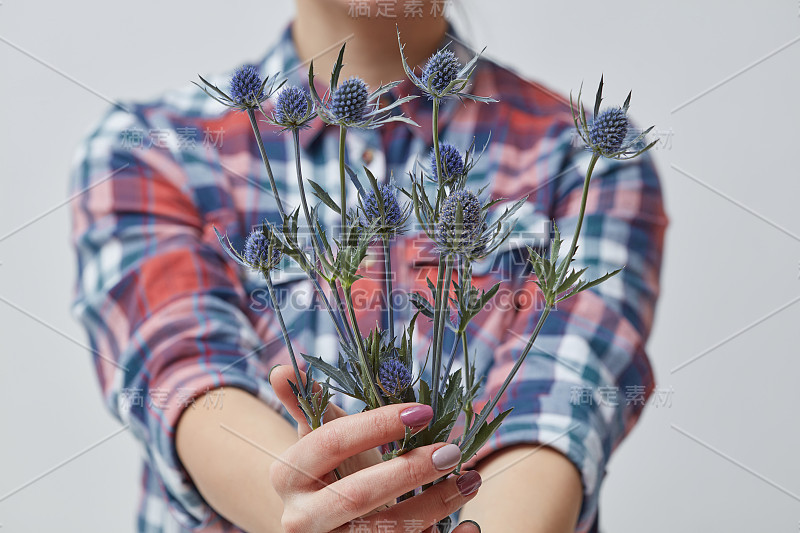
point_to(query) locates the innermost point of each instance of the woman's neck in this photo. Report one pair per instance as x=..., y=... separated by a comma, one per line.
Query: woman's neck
x=372, y=51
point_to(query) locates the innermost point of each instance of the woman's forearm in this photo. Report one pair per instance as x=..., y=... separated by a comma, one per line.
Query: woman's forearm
x=232, y=474
x=540, y=492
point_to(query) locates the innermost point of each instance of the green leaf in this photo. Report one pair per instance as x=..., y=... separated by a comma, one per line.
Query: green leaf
x=355, y=180
x=422, y=304
x=453, y=394
x=320, y=193
x=570, y=280
x=539, y=267
x=485, y=432
x=488, y=295
x=598, y=98
x=627, y=103
x=555, y=247
x=337, y=68
x=590, y=284
x=348, y=384
x=424, y=392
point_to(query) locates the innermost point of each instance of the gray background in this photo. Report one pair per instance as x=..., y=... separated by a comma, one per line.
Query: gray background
x=719, y=459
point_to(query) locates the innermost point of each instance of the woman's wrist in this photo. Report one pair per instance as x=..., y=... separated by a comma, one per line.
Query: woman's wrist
x=227, y=453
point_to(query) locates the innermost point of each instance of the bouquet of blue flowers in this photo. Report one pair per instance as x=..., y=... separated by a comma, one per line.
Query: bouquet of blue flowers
x=375, y=367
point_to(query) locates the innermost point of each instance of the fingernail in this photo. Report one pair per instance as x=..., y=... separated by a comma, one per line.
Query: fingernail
x=269, y=376
x=416, y=416
x=469, y=483
x=474, y=523
x=446, y=457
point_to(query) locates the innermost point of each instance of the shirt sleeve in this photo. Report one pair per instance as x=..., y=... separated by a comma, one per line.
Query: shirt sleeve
x=586, y=380
x=165, y=310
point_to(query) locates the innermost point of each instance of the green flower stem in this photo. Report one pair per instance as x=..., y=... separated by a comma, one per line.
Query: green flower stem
x=435, y=132
x=362, y=352
x=286, y=339
x=564, y=267
x=338, y=321
x=387, y=262
x=438, y=155
x=442, y=294
x=465, y=281
x=342, y=312
x=251, y=115
x=343, y=208
x=469, y=379
x=450, y=360
x=342, y=183
x=461, y=333
x=488, y=409
x=435, y=367
x=304, y=203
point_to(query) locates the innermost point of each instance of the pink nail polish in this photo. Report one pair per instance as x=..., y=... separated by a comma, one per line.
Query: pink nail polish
x=416, y=416
x=469, y=483
x=446, y=457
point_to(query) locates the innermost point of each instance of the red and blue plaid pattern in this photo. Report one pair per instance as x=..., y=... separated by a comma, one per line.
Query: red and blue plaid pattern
x=170, y=316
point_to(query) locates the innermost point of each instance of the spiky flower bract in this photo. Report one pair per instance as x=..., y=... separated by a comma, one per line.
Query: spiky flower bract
x=606, y=134
x=246, y=89
x=460, y=220
x=293, y=109
x=261, y=250
x=394, y=215
x=351, y=105
x=443, y=75
x=609, y=129
x=394, y=377
x=441, y=70
x=452, y=162
x=349, y=100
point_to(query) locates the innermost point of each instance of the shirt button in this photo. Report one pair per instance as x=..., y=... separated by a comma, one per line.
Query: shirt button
x=367, y=156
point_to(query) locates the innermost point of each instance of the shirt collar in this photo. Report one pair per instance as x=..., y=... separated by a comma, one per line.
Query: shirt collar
x=283, y=60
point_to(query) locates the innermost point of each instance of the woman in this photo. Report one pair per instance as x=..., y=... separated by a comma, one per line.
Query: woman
x=183, y=351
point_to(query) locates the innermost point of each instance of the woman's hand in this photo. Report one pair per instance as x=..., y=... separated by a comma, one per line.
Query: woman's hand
x=316, y=502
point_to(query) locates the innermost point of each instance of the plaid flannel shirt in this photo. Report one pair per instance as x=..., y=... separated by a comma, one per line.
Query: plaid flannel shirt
x=170, y=316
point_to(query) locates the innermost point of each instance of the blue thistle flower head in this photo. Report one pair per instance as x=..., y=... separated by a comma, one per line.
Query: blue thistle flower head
x=349, y=101
x=394, y=377
x=440, y=70
x=395, y=215
x=292, y=107
x=464, y=236
x=608, y=130
x=247, y=87
x=452, y=162
x=261, y=250
x=443, y=75
x=607, y=134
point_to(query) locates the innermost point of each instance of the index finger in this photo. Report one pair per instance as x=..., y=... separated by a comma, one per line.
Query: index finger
x=325, y=448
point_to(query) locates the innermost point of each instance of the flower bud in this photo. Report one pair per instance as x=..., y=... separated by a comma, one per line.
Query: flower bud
x=394, y=377
x=440, y=70
x=608, y=130
x=292, y=106
x=460, y=221
x=452, y=163
x=246, y=86
x=349, y=100
x=261, y=251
